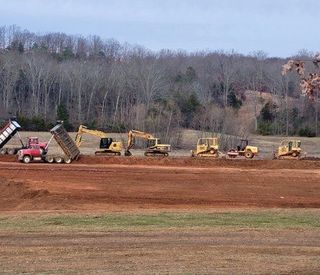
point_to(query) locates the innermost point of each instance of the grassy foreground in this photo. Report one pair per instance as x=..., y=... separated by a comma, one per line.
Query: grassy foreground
x=273, y=219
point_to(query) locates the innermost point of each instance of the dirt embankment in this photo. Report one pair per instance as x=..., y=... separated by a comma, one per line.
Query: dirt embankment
x=310, y=163
x=130, y=184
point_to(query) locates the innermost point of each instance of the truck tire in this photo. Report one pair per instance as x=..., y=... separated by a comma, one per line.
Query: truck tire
x=49, y=159
x=3, y=151
x=67, y=160
x=26, y=159
x=58, y=159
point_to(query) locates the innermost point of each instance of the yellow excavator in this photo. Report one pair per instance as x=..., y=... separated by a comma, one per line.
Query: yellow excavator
x=108, y=146
x=154, y=146
x=289, y=149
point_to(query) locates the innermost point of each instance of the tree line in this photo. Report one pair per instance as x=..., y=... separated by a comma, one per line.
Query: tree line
x=117, y=86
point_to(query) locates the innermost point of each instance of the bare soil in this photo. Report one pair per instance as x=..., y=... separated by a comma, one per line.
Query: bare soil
x=111, y=183
x=139, y=185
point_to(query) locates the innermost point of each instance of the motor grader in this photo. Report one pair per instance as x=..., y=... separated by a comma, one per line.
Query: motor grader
x=154, y=145
x=206, y=147
x=289, y=149
x=243, y=150
x=108, y=146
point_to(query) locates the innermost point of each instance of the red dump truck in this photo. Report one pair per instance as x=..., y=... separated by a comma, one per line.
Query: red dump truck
x=38, y=152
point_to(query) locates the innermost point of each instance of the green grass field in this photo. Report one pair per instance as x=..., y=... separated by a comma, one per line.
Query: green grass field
x=286, y=219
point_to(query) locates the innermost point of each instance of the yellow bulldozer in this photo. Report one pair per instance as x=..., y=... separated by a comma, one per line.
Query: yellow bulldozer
x=289, y=149
x=206, y=147
x=108, y=146
x=154, y=145
x=243, y=150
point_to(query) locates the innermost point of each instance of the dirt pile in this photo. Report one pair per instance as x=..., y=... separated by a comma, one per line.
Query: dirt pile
x=201, y=162
x=13, y=195
x=306, y=163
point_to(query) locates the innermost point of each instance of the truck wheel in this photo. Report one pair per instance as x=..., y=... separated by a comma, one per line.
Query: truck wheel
x=11, y=151
x=58, y=159
x=26, y=159
x=67, y=160
x=49, y=159
x=294, y=154
x=248, y=155
x=3, y=151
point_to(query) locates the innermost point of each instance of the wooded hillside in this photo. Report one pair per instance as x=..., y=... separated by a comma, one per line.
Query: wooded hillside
x=114, y=86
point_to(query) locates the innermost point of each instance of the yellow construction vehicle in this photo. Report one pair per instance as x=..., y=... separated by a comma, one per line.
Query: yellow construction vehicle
x=206, y=147
x=289, y=149
x=243, y=150
x=108, y=146
x=154, y=146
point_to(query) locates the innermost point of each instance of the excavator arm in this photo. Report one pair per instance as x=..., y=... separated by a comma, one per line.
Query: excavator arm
x=132, y=135
x=84, y=130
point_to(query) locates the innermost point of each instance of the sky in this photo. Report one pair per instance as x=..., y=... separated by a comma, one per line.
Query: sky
x=278, y=27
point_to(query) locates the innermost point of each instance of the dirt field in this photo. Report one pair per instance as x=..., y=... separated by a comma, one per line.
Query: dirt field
x=225, y=216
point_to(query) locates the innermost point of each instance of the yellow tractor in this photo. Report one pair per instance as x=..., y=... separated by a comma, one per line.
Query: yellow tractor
x=243, y=150
x=108, y=146
x=206, y=147
x=289, y=149
x=154, y=145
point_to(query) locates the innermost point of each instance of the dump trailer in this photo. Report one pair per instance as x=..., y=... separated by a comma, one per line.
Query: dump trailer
x=6, y=134
x=66, y=143
x=36, y=153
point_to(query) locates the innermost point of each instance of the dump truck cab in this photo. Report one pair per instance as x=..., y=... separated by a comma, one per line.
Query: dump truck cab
x=207, y=147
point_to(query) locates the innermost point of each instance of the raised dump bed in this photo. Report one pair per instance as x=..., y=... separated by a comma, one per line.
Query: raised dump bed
x=6, y=133
x=66, y=143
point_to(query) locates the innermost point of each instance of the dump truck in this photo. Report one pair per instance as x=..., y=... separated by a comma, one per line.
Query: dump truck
x=35, y=152
x=6, y=134
x=206, y=147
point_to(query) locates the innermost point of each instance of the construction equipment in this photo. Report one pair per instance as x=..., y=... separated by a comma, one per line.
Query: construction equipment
x=39, y=152
x=6, y=133
x=243, y=150
x=206, y=147
x=107, y=145
x=289, y=149
x=154, y=146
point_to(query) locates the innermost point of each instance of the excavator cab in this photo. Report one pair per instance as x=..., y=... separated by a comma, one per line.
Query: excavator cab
x=105, y=143
x=151, y=142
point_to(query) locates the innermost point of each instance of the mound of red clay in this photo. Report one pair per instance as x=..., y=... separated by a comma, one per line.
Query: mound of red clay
x=199, y=162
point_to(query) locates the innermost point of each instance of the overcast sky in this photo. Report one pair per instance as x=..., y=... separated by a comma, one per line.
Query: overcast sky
x=278, y=27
